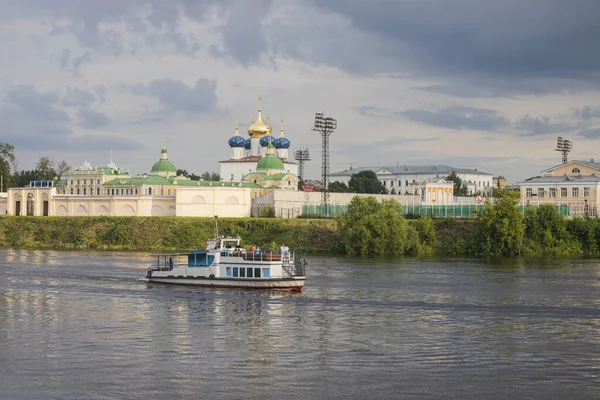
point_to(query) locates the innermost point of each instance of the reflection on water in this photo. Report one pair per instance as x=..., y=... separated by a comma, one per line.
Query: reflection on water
x=85, y=325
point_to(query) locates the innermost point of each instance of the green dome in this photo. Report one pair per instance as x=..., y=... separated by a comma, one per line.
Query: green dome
x=163, y=166
x=269, y=162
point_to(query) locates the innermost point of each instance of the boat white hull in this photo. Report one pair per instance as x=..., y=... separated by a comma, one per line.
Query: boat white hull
x=296, y=283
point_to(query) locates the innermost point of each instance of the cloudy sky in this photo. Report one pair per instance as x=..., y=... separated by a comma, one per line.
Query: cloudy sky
x=468, y=83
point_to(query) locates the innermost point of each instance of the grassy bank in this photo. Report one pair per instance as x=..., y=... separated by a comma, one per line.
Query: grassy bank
x=162, y=233
x=167, y=233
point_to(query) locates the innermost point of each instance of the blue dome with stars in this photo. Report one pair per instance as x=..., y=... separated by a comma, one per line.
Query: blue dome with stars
x=248, y=144
x=237, y=141
x=282, y=143
x=266, y=140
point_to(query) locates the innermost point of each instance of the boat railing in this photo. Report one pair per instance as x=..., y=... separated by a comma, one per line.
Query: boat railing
x=260, y=255
x=297, y=266
x=166, y=262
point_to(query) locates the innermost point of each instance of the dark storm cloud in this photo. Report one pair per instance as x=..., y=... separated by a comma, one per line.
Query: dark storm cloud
x=28, y=102
x=75, y=97
x=530, y=126
x=496, y=86
x=499, y=41
x=243, y=34
x=177, y=96
x=458, y=117
x=590, y=133
x=34, y=120
x=586, y=113
x=91, y=118
x=470, y=118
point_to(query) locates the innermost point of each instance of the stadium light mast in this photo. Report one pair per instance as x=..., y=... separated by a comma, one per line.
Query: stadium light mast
x=564, y=146
x=325, y=126
x=301, y=156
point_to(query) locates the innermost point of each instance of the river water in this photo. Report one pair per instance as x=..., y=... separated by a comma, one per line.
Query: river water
x=84, y=325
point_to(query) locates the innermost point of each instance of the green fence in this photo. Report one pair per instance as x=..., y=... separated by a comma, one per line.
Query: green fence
x=450, y=211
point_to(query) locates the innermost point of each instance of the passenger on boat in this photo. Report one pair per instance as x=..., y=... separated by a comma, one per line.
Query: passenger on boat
x=170, y=264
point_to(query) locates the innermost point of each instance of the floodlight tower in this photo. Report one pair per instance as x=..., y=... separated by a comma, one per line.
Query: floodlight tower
x=301, y=156
x=564, y=146
x=325, y=126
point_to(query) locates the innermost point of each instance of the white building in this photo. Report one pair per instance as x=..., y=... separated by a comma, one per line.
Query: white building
x=401, y=178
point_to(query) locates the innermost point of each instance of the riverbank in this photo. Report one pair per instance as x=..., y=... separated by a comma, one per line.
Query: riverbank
x=162, y=233
x=167, y=233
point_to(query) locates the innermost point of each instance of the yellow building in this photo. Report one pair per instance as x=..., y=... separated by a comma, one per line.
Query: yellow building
x=575, y=184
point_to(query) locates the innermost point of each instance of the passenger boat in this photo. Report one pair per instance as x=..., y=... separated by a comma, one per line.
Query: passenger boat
x=226, y=264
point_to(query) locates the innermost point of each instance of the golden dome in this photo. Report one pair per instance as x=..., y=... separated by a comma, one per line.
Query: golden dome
x=259, y=129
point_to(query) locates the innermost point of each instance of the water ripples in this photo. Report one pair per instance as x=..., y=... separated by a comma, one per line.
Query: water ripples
x=85, y=325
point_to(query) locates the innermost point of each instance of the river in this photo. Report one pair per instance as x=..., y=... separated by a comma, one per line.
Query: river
x=84, y=325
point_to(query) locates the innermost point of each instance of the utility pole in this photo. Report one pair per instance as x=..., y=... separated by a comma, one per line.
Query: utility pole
x=325, y=126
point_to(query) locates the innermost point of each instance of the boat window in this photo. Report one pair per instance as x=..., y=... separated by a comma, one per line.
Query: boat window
x=266, y=272
x=242, y=272
x=249, y=272
x=257, y=272
x=228, y=270
x=235, y=272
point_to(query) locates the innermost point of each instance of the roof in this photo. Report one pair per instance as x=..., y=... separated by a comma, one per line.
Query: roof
x=412, y=170
x=253, y=159
x=163, y=166
x=590, y=163
x=244, y=159
x=270, y=162
x=172, y=181
x=562, y=179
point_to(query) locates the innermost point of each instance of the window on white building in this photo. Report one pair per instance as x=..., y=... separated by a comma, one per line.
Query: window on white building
x=552, y=192
x=575, y=170
x=586, y=192
x=575, y=192
x=528, y=192
x=541, y=192
x=391, y=183
x=563, y=192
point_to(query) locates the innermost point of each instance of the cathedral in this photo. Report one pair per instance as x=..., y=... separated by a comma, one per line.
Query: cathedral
x=261, y=158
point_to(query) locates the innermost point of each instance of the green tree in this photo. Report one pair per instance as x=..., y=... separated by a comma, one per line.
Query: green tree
x=365, y=182
x=23, y=178
x=338, y=187
x=44, y=169
x=501, y=228
x=62, y=168
x=7, y=160
x=182, y=172
x=546, y=231
x=210, y=176
x=374, y=228
x=459, y=188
